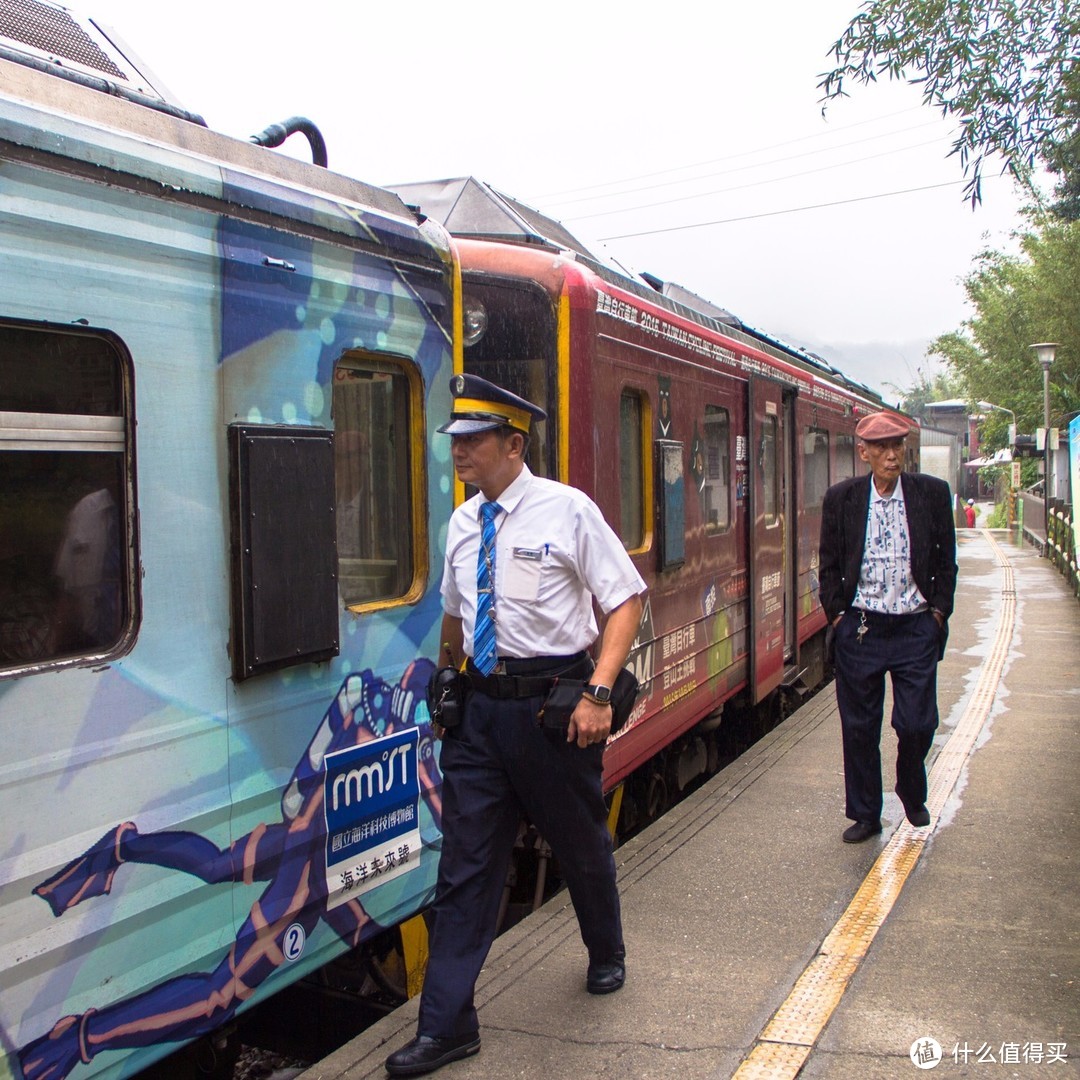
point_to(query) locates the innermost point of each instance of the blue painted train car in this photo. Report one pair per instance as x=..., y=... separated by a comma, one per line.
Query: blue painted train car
x=220, y=369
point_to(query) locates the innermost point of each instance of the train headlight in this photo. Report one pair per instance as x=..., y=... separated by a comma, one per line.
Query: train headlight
x=475, y=321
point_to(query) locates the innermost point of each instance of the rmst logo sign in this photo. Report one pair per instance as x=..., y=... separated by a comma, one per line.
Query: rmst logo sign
x=372, y=805
x=366, y=782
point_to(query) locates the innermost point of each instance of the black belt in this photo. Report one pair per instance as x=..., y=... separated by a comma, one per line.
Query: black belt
x=532, y=677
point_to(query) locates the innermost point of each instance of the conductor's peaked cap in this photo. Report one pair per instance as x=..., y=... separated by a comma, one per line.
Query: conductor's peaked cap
x=481, y=406
x=882, y=426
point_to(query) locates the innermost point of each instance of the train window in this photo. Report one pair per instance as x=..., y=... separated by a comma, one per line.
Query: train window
x=845, y=458
x=376, y=409
x=716, y=478
x=631, y=471
x=815, y=467
x=511, y=339
x=770, y=473
x=66, y=564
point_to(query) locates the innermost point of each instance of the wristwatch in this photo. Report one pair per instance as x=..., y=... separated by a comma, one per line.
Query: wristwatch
x=601, y=695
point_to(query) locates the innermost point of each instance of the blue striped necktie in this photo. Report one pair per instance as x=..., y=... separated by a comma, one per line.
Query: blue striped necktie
x=485, y=655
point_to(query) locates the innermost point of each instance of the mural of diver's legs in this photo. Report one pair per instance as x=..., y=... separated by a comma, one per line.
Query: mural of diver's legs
x=190, y=1005
x=92, y=874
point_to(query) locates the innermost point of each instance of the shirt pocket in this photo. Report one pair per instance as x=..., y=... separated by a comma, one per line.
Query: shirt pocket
x=522, y=581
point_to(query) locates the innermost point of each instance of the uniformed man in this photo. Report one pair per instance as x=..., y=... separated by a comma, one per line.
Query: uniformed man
x=888, y=573
x=525, y=559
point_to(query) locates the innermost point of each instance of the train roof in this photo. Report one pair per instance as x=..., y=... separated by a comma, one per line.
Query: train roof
x=81, y=71
x=53, y=38
x=473, y=210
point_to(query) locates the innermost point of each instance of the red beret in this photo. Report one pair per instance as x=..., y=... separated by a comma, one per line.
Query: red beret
x=882, y=426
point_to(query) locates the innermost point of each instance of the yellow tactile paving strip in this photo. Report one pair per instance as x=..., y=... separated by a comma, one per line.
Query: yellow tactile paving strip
x=768, y=1060
x=786, y=1041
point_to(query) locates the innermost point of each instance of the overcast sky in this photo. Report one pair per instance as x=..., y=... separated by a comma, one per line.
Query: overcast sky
x=677, y=138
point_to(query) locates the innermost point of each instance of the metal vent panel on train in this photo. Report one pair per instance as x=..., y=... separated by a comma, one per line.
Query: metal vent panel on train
x=54, y=35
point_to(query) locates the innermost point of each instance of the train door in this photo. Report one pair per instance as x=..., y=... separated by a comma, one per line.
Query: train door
x=790, y=529
x=770, y=485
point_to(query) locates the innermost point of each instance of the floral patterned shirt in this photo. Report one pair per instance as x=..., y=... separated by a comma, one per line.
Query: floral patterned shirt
x=885, y=582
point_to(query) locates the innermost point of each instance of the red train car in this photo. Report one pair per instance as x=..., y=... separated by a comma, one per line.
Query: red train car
x=708, y=448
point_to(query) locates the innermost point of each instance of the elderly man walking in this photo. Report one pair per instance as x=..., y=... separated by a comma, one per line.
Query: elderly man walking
x=888, y=574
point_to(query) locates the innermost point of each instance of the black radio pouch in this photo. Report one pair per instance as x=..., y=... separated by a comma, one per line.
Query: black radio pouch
x=623, y=696
x=446, y=691
x=561, y=702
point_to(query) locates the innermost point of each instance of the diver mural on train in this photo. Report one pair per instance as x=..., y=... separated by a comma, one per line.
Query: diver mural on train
x=355, y=844
x=318, y=863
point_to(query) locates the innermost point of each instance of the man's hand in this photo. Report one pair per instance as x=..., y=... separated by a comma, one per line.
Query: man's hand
x=590, y=723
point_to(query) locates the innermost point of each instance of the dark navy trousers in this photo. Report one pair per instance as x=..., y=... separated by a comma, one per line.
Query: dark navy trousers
x=907, y=648
x=498, y=766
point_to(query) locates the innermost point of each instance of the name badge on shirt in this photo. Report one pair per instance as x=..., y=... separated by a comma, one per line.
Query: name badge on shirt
x=522, y=574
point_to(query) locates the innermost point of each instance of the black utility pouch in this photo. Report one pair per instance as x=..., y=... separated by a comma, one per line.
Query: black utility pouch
x=560, y=703
x=623, y=696
x=446, y=691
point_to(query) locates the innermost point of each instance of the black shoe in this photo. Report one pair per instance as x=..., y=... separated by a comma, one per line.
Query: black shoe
x=919, y=816
x=606, y=978
x=426, y=1053
x=860, y=831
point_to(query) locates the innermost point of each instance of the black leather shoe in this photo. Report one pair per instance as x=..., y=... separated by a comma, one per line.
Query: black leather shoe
x=919, y=816
x=606, y=978
x=860, y=831
x=426, y=1053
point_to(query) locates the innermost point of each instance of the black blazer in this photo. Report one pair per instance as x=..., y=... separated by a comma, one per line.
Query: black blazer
x=928, y=503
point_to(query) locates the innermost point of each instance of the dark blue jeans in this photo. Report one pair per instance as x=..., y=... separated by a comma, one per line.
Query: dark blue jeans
x=906, y=647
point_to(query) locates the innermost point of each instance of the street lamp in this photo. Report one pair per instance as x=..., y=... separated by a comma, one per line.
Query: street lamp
x=1045, y=351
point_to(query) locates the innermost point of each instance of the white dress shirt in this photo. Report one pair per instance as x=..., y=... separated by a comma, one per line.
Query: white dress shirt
x=554, y=553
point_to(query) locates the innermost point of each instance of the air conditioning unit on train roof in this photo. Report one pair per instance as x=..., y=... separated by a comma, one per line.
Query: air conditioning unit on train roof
x=51, y=37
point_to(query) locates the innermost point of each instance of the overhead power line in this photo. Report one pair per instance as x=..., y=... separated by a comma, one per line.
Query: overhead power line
x=749, y=184
x=785, y=160
x=728, y=157
x=778, y=213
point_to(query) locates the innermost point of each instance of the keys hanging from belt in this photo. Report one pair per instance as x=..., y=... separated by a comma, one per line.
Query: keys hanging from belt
x=863, y=628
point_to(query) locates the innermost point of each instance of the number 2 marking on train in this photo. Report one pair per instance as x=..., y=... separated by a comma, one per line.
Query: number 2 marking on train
x=295, y=939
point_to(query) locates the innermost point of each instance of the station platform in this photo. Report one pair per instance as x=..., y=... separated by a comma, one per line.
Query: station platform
x=760, y=945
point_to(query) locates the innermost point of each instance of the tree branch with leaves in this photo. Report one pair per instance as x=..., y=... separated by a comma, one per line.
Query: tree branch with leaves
x=1001, y=68
x=1019, y=299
